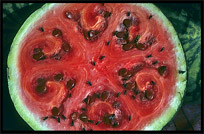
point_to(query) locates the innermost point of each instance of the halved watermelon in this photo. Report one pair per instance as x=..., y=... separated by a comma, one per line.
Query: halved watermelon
x=97, y=67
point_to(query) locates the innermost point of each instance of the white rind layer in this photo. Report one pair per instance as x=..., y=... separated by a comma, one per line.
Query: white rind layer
x=35, y=121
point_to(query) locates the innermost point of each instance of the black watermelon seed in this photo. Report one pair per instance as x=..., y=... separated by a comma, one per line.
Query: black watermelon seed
x=128, y=13
x=133, y=97
x=83, y=109
x=97, y=122
x=129, y=117
x=91, y=129
x=70, y=95
x=127, y=22
x=115, y=32
x=57, y=32
x=83, y=129
x=153, y=83
x=87, y=100
x=155, y=62
x=148, y=56
x=89, y=83
x=63, y=117
x=53, y=117
x=71, y=84
x=45, y=118
x=161, y=70
x=72, y=123
x=59, y=77
x=125, y=92
x=107, y=14
x=162, y=49
x=181, y=72
x=102, y=57
x=118, y=94
x=108, y=42
x=102, y=4
x=93, y=63
x=150, y=17
x=58, y=119
x=41, y=29
x=137, y=38
x=91, y=121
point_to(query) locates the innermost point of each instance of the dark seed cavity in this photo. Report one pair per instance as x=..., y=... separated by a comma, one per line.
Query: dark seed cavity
x=107, y=14
x=87, y=100
x=83, y=117
x=121, y=41
x=116, y=104
x=74, y=116
x=57, y=32
x=162, y=70
x=130, y=85
x=141, y=46
x=151, y=40
x=55, y=111
x=127, y=47
x=38, y=54
x=105, y=95
x=41, y=87
x=127, y=22
x=74, y=16
x=66, y=47
x=181, y=72
x=115, y=124
x=91, y=35
x=71, y=84
x=120, y=34
x=148, y=94
x=122, y=72
x=45, y=118
x=59, y=77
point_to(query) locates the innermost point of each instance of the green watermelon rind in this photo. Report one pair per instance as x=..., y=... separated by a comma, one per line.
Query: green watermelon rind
x=36, y=122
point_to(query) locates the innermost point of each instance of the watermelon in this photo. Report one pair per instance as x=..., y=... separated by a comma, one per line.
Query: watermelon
x=96, y=67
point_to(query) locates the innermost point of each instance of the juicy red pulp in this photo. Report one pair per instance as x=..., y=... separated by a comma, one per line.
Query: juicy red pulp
x=97, y=67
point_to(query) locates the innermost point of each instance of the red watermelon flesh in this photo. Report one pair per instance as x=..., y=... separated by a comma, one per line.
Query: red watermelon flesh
x=99, y=67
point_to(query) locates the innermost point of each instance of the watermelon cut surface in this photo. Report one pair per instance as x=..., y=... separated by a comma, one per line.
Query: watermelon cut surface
x=95, y=66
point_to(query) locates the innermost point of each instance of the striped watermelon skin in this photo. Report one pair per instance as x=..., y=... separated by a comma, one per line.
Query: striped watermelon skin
x=191, y=46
